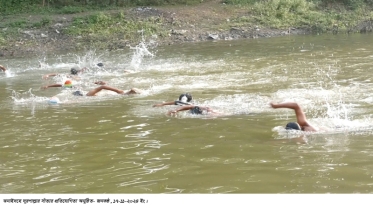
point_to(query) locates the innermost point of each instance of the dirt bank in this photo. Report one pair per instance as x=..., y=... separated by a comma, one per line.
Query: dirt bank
x=203, y=22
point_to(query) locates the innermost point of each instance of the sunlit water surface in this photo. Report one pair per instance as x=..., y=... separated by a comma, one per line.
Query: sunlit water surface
x=121, y=144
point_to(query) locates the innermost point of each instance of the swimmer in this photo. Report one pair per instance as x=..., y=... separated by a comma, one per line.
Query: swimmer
x=73, y=71
x=93, y=92
x=184, y=99
x=67, y=84
x=2, y=68
x=197, y=110
x=302, y=123
x=105, y=87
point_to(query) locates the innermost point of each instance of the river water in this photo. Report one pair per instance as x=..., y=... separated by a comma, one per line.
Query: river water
x=121, y=144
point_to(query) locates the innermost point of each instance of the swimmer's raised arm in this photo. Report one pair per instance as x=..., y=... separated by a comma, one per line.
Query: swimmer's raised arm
x=48, y=86
x=2, y=68
x=301, y=117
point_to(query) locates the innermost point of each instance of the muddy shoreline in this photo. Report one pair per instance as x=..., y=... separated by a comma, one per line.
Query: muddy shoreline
x=200, y=23
x=38, y=41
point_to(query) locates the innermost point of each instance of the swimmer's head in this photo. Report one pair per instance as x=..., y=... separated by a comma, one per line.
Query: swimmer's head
x=78, y=93
x=100, y=64
x=293, y=126
x=68, y=84
x=196, y=110
x=185, y=97
x=74, y=71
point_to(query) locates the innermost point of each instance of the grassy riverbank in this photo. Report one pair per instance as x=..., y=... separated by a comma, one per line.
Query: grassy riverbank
x=73, y=28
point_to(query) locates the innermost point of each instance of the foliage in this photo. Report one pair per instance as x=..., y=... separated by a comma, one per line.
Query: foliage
x=316, y=15
x=2, y=40
x=301, y=13
x=112, y=26
x=44, y=22
x=240, y=2
x=71, y=10
x=74, y=6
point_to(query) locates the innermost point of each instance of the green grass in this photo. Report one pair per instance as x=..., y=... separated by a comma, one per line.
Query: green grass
x=111, y=26
x=283, y=14
x=101, y=26
x=23, y=23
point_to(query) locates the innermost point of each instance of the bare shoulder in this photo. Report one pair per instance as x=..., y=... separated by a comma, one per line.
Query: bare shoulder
x=309, y=128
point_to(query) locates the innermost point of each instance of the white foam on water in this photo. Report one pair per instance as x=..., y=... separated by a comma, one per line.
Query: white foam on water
x=8, y=73
x=27, y=98
x=238, y=104
x=310, y=84
x=89, y=60
x=225, y=105
x=330, y=106
x=325, y=109
x=183, y=66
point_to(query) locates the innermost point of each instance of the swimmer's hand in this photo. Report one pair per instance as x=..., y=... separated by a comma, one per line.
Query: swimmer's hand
x=165, y=103
x=273, y=105
x=48, y=86
x=2, y=68
x=49, y=75
x=100, y=83
x=172, y=112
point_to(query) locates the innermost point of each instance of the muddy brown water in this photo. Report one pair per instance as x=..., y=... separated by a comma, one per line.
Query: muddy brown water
x=121, y=144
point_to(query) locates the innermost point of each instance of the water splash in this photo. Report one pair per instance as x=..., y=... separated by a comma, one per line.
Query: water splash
x=90, y=59
x=239, y=104
x=43, y=63
x=27, y=97
x=328, y=105
x=9, y=73
x=140, y=51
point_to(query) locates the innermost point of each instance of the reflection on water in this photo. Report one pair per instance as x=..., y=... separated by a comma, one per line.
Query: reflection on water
x=121, y=144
